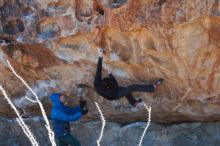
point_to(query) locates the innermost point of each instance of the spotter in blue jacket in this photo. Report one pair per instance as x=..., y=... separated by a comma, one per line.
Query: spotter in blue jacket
x=61, y=115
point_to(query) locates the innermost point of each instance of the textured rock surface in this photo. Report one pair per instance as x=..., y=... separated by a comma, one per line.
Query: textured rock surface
x=177, y=40
x=194, y=134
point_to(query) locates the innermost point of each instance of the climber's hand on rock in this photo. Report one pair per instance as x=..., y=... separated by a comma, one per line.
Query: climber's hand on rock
x=109, y=70
x=101, y=52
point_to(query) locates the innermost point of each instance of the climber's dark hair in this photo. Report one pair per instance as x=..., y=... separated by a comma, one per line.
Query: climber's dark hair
x=106, y=82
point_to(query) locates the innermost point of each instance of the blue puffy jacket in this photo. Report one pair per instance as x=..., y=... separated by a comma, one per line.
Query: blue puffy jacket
x=61, y=115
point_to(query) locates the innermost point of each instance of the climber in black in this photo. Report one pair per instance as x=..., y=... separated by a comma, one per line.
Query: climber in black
x=109, y=89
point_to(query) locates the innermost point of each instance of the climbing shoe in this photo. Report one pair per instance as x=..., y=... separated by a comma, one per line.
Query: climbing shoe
x=158, y=82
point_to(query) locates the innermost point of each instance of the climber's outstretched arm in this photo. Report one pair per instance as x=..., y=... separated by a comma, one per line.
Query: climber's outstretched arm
x=98, y=76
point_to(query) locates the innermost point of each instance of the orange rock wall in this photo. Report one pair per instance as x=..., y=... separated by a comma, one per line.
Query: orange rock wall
x=177, y=40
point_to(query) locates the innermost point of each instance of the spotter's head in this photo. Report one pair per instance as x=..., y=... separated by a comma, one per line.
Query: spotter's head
x=64, y=98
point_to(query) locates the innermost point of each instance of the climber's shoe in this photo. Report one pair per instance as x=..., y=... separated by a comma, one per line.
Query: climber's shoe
x=158, y=82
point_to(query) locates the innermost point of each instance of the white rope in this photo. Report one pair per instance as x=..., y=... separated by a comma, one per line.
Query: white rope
x=31, y=100
x=148, y=123
x=32, y=139
x=24, y=127
x=50, y=133
x=103, y=123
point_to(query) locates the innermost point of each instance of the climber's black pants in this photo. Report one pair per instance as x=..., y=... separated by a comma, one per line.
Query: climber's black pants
x=126, y=91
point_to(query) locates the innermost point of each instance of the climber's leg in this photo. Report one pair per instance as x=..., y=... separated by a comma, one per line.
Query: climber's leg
x=123, y=91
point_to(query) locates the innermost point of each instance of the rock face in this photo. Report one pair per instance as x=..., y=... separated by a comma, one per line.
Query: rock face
x=196, y=134
x=53, y=46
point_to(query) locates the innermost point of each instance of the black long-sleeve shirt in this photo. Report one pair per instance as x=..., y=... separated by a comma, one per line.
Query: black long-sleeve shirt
x=108, y=93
